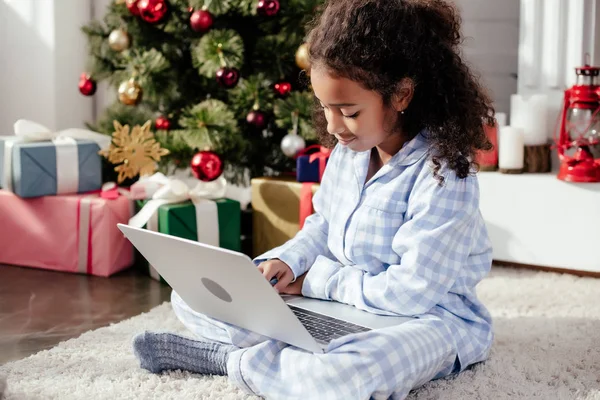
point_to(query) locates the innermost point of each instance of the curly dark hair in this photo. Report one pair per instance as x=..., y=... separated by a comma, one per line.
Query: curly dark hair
x=378, y=43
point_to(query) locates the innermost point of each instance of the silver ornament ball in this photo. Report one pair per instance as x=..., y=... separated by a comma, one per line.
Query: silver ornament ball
x=118, y=40
x=292, y=144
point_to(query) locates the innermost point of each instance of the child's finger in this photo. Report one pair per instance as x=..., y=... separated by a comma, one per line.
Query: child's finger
x=283, y=281
x=269, y=272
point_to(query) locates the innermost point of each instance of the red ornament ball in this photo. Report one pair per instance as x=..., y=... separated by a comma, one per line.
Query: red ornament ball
x=132, y=6
x=152, y=11
x=282, y=88
x=162, y=123
x=207, y=166
x=87, y=86
x=257, y=118
x=228, y=77
x=267, y=8
x=201, y=21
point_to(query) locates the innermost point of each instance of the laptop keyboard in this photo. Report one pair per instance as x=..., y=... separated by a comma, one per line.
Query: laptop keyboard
x=324, y=328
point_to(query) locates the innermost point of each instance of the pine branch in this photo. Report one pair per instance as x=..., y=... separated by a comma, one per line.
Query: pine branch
x=174, y=141
x=301, y=103
x=152, y=72
x=178, y=25
x=206, y=52
x=249, y=91
x=211, y=124
x=282, y=61
x=124, y=115
x=208, y=123
x=148, y=63
x=246, y=7
x=94, y=28
x=101, y=62
x=215, y=7
x=116, y=14
x=292, y=18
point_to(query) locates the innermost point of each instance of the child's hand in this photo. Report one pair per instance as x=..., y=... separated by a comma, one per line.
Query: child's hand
x=295, y=287
x=276, y=268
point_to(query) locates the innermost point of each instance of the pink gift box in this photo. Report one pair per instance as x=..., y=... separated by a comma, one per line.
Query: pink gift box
x=71, y=233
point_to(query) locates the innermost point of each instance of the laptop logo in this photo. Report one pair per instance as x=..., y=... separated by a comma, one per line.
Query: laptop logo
x=216, y=289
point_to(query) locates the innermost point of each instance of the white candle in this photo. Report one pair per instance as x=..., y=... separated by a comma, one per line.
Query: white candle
x=501, y=119
x=531, y=115
x=511, y=148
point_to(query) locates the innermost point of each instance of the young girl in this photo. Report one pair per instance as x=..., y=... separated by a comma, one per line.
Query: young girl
x=397, y=228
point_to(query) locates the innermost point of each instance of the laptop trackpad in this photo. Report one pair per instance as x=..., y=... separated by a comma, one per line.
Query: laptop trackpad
x=345, y=312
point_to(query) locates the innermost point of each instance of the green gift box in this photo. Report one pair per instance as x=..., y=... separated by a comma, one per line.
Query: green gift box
x=179, y=219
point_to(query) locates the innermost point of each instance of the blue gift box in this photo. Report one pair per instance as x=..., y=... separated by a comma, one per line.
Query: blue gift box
x=34, y=168
x=307, y=171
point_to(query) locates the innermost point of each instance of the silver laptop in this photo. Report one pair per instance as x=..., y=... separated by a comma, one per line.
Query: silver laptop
x=227, y=286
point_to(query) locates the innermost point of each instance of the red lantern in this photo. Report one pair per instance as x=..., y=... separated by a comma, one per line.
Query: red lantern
x=579, y=136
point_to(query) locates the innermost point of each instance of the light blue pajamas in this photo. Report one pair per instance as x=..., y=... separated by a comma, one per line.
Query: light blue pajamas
x=398, y=245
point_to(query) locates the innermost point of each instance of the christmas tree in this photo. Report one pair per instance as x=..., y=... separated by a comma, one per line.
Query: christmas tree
x=221, y=80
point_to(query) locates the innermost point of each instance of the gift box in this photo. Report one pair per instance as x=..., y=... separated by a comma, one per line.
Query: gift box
x=280, y=205
x=33, y=169
x=37, y=162
x=71, y=233
x=190, y=213
x=180, y=220
x=311, y=163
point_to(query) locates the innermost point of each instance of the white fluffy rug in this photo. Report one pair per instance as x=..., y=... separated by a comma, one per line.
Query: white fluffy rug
x=547, y=347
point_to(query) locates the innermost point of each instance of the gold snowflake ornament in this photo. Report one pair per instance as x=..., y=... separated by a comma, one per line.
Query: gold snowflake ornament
x=136, y=152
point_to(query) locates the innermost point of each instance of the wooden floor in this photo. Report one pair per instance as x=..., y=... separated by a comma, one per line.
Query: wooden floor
x=39, y=309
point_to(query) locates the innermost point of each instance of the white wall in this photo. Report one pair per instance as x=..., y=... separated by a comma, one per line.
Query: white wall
x=491, y=31
x=555, y=36
x=42, y=54
x=70, y=57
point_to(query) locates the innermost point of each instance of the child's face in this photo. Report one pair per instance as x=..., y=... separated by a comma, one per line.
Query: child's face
x=356, y=116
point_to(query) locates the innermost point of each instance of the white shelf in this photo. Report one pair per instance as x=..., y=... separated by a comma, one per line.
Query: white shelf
x=539, y=220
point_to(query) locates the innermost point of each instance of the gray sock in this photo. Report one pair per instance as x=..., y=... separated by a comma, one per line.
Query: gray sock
x=158, y=352
x=2, y=386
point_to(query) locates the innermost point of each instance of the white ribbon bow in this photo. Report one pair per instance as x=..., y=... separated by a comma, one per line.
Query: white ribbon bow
x=165, y=190
x=173, y=191
x=67, y=162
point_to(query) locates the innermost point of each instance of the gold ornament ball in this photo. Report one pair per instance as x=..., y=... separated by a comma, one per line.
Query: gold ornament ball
x=130, y=93
x=302, y=59
x=118, y=40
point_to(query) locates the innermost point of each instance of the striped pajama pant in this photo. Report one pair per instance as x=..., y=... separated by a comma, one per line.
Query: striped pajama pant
x=379, y=364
